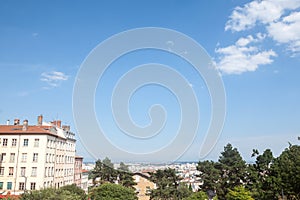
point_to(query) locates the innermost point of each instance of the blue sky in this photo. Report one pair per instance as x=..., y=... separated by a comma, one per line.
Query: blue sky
x=254, y=44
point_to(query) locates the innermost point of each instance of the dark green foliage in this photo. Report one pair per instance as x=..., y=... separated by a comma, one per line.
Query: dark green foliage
x=108, y=173
x=260, y=181
x=65, y=193
x=73, y=189
x=210, y=175
x=109, y=191
x=268, y=178
x=238, y=193
x=104, y=170
x=286, y=172
x=168, y=186
x=125, y=176
x=232, y=168
x=228, y=172
x=197, y=196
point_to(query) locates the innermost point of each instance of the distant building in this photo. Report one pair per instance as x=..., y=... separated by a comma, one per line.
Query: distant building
x=78, y=170
x=37, y=156
x=85, y=180
x=143, y=185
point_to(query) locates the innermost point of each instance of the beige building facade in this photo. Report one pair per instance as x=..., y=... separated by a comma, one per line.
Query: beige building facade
x=35, y=156
x=143, y=185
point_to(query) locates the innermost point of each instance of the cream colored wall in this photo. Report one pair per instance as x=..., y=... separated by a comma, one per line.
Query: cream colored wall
x=141, y=187
x=47, y=158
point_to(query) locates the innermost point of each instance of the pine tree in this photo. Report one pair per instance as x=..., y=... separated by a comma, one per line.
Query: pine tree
x=232, y=168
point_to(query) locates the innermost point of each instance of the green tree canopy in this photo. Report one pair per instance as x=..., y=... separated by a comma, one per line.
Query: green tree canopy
x=73, y=189
x=67, y=193
x=209, y=175
x=197, y=196
x=104, y=170
x=125, y=176
x=260, y=181
x=232, y=168
x=109, y=191
x=238, y=193
x=286, y=170
x=168, y=185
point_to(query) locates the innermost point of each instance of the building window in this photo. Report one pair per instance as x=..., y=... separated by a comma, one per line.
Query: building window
x=5, y=140
x=2, y=156
x=1, y=171
x=14, y=142
x=12, y=157
x=23, y=171
x=24, y=157
x=36, y=142
x=32, y=186
x=9, y=185
x=35, y=157
x=21, y=186
x=33, y=171
x=11, y=171
x=25, y=142
x=1, y=185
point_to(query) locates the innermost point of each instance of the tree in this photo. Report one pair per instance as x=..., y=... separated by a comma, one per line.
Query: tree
x=109, y=191
x=286, y=174
x=238, y=193
x=73, y=189
x=209, y=175
x=232, y=168
x=52, y=194
x=197, y=196
x=123, y=167
x=125, y=176
x=168, y=186
x=104, y=170
x=108, y=172
x=260, y=180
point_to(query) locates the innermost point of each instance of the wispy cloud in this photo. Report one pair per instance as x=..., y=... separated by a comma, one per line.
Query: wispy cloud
x=279, y=18
x=243, y=56
x=54, y=78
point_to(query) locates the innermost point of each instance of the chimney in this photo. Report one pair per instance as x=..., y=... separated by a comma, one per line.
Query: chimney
x=16, y=122
x=40, y=120
x=25, y=125
x=66, y=127
x=7, y=122
x=58, y=123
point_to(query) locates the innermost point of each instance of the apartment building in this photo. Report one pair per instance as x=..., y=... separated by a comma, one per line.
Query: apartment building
x=35, y=156
x=78, y=170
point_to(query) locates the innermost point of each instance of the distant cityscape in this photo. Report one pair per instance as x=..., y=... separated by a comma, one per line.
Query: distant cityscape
x=43, y=155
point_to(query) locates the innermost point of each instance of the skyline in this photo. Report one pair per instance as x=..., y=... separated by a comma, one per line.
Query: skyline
x=254, y=44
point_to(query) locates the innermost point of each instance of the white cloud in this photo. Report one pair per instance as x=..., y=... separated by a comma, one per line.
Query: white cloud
x=242, y=56
x=53, y=78
x=257, y=11
x=244, y=41
x=280, y=19
x=287, y=31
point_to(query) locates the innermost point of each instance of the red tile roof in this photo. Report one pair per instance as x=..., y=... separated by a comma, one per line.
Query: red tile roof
x=18, y=129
